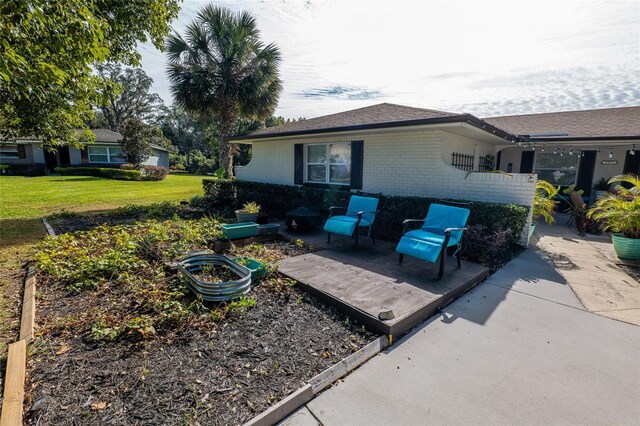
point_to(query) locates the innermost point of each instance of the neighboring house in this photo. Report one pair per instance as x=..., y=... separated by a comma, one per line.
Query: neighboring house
x=399, y=150
x=105, y=150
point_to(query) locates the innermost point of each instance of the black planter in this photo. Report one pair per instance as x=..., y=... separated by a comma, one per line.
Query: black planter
x=303, y=220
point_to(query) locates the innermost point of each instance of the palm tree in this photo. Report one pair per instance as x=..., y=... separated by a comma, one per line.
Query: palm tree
x=221, y=68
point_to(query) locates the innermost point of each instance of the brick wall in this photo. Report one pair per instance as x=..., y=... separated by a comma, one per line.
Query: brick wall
x=400, y=163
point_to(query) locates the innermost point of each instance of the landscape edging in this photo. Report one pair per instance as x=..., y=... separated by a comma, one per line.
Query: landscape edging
x=15, y=375
x=318, y=383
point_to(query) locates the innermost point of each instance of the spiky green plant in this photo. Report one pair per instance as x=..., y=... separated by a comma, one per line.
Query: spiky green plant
x=620, y=211
x=543, y=201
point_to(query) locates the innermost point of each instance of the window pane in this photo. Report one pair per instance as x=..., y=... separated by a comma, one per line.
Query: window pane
x=316, y=173
x=557, y=169
x=562, y=177
x=340, y=174
x=9, y=153
x=316, y=154
x=340, y=153
x=117, y=155
x=98, y=158
x=556, y=161
x=98, y=150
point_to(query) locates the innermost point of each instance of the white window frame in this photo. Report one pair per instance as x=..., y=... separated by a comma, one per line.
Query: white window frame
x=327, y=164
x=576, y=156
x=108, y=154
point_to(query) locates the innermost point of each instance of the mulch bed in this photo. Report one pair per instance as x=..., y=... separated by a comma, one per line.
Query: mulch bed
x=223, y=373
x=72, y=222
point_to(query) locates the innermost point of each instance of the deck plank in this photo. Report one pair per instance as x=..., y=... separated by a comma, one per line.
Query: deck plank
x=369, y=280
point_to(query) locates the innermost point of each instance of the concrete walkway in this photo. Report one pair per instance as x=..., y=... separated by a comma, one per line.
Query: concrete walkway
x=518, y=349
x=599, y=283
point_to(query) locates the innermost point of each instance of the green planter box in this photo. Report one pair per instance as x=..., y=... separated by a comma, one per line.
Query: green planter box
x=258, y=269
x=239, y=230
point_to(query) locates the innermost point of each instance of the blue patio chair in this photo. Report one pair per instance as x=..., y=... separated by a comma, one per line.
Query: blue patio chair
x=360, y=213
x=442, y=229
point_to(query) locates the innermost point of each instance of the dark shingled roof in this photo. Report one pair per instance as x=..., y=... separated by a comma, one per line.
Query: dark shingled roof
x=375, y=114
x=575, y=124
x=106, y=135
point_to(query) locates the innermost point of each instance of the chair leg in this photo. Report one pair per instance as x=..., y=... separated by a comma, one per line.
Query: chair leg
x=400, y=258
x=373, y=237
x=459, y=257
x=328, y=237
x=443, y=257
x=355, y=237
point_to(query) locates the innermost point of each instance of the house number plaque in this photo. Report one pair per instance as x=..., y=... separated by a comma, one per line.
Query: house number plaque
x=609, y=162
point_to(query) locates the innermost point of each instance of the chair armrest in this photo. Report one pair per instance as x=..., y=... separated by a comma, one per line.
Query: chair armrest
x=360, y=213
x=332, y=208
x=449, y=230
x=407, y=222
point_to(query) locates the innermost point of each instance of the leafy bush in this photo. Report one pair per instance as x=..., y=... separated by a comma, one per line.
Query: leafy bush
x=24, y=169
x=3, y=167
x=117, y=174
x=620, y=212
x=155, y=173
x=276, y=200
x=492, y=249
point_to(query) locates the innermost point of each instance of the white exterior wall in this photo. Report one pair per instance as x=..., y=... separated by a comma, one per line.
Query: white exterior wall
x=158, y=158
x=406, y=163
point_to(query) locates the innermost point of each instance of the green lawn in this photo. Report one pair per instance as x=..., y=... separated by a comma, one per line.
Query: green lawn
x=40, y=196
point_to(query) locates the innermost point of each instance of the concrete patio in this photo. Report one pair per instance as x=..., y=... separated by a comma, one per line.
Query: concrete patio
x=590, y=267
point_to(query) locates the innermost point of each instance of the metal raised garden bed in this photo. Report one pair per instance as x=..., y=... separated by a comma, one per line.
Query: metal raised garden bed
x=220, y=291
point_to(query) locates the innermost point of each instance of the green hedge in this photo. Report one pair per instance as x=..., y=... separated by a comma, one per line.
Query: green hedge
x=104, y=172
x=276, y=200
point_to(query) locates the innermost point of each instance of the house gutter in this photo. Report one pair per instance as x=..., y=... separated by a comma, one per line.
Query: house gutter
x=462, y=118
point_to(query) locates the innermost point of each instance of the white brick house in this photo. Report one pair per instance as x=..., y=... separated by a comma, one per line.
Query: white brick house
x=389, y=149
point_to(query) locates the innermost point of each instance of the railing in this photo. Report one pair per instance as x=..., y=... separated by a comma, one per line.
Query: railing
x=465, y=162
x=462, y=161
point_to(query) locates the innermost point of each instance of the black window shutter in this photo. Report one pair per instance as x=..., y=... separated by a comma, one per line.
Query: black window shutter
x=21, y=152
x=298, y=163
x=356, y=164
x=526, y=162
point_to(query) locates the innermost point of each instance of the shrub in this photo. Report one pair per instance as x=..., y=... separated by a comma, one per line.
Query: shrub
x=154, y=173
x=276, y=200
x=23, y=169
x=489, y=248
x=117, y=174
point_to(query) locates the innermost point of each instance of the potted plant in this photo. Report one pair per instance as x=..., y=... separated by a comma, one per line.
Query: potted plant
x=601, y=187
x=248, y=212
x=620, y=213
x=544, y=203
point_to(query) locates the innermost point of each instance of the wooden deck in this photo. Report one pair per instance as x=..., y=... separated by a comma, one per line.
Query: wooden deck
x=364, y=282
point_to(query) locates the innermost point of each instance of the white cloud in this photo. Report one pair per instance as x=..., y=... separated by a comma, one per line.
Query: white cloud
x=487, y=58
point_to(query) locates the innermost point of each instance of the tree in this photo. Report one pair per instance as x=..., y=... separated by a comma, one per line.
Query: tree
x=189, y=134
x=221, y=68
x=135, y=141
x=47, y=88
x=126, y=94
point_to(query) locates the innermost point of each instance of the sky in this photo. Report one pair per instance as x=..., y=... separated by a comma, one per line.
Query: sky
x=478, y=57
